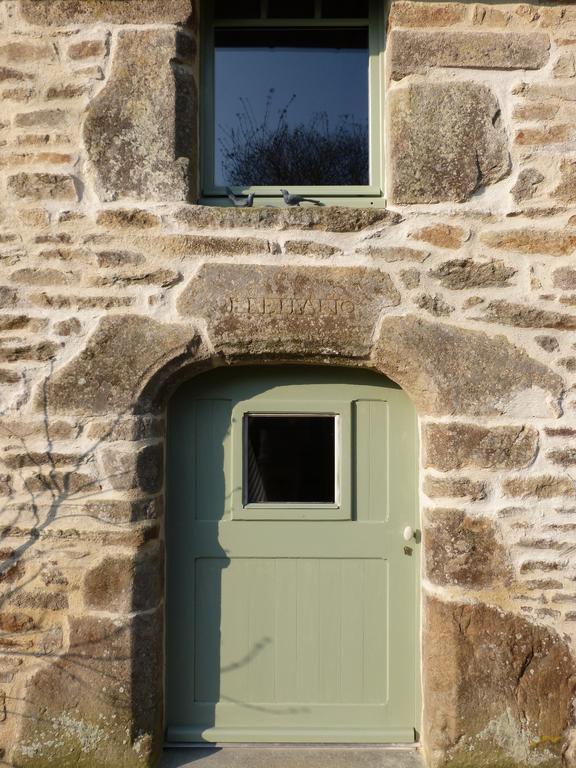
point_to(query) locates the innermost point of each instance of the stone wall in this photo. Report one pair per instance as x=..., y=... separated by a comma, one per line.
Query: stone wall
x=114, y=286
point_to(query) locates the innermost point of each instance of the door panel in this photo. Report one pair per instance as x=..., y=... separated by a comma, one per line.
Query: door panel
x=299, y=622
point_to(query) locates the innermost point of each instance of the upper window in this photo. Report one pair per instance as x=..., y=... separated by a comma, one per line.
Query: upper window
x=292, y=98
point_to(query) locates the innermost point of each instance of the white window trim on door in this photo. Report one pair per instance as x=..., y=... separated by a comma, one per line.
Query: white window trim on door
x=341, y=510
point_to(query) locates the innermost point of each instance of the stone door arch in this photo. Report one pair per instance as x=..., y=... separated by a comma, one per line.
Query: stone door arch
x=468, y=387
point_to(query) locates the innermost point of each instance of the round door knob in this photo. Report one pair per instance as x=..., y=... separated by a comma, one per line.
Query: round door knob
x=408, y=533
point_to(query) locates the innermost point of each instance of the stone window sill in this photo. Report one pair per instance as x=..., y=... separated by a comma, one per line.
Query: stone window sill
x=330, y=218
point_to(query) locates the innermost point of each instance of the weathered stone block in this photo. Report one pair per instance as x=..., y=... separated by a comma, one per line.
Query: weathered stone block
x=498, y=690
x=565, y=279
x=40, y=600
x=535, y=111
x=463, y=551
x=548, y=343
x=566, y=189
x=45, y=350
x=546, y=91
x=35, y=276
x=140, y=130
x=125, y=584
x=16, y=622
x=86, y=49
x=434, y=304
x=8, y=296
x=44, y=119
x=310, y=248
x=203, y=245
x=119, y=359
x=526, y=316
x=97, y=704
x=459, y=445
x=13, y=568
x=67, y=91
x=438, y=367
x=454, y=487
x=119, y=258
x=70, y=327
x=417, y=50
x=332, y=218
x=391, y=253
x=553, y=134
x=8, y=73
x=131, y=218
x=124, y=511
x=28, y=458
x=566, y=457
x=539, y=486
x=71, y=12
x=473, y=151
x=129, y=427
x=49, y=301
x=62, y=485
x=289, y=310
x=527, y=184
x=42, y=186
x=442, y=235
x=9, y=377
x=126, y=468
x=6, y=487
x=165, y=278
x=27, y=52
x=551, y=243
x=459, y=274
x=406, y=13
x=560, y=431
x=14, y=322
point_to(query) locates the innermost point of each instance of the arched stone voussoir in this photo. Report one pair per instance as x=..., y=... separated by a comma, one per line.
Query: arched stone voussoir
x=455, y=371
x=121, y=358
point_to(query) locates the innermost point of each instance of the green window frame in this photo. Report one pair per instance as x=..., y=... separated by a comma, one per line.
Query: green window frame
x=358, y=196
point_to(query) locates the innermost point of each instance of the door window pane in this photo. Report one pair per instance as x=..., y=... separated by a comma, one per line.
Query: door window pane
x=291, y=107
x=290, y=459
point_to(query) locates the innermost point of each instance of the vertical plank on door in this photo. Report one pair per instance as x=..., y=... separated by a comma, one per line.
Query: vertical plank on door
x=371, y=442
x=286, y=629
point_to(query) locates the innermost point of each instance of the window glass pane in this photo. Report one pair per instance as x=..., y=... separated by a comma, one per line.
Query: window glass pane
x=345, y=9
x=290, y=9
x=231, y=9
x=291, y=107
x=290, y=459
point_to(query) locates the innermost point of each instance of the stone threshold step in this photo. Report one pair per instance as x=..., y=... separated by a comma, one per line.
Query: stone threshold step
x=280, y=756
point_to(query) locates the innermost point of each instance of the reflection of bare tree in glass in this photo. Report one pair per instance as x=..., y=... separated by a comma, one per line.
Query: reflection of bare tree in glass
x=268, y=151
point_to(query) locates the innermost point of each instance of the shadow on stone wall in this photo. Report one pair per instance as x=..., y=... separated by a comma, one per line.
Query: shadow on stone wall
x=82, y=641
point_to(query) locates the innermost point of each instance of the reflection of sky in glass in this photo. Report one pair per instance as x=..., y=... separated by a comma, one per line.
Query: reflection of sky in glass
x=316, y=83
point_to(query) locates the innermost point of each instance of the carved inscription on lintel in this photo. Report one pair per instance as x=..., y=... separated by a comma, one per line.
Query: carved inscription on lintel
x=289, y=305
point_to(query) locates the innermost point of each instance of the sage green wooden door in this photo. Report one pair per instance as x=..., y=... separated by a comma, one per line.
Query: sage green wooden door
x=291, y=617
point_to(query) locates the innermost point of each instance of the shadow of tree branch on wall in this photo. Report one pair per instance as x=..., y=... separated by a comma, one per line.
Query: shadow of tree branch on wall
x=80, y=589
